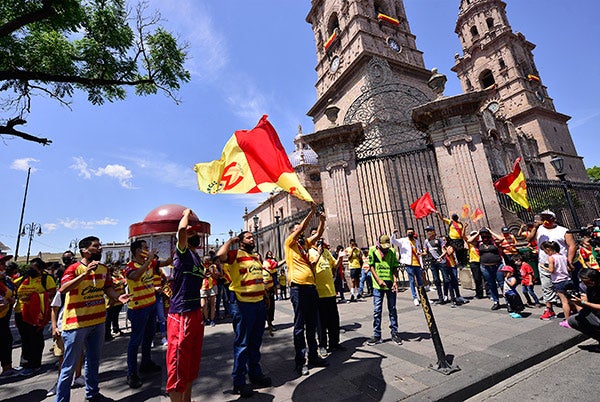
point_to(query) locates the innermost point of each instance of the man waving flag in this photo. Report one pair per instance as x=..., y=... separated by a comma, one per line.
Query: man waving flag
x=513, y=185
x=253, y=161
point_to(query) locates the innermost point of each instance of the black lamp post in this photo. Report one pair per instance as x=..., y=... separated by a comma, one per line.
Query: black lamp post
x=73, y=245
x=255, y=219
x=230, y=233
x=558, y=164
x=31, y=229
x=217, y=243
x=277, y=218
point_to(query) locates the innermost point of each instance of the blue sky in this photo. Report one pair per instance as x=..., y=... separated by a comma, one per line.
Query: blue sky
x=109, y=166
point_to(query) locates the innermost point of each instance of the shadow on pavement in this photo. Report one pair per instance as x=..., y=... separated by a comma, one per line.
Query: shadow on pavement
x=33, y=395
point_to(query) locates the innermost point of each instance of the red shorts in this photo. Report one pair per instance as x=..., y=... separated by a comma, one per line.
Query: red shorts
x=185, y=334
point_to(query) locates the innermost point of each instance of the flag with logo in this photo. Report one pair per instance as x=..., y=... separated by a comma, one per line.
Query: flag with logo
x=423, y=206
x=513, y=185
x=466, y=211
x=253, y=161
x=477, y=215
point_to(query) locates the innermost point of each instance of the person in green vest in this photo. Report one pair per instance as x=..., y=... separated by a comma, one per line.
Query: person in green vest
x=384, y=271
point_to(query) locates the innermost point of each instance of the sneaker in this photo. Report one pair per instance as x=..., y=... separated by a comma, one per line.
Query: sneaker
x=212, y=323
x=548, y=315
x=9, y=373
x=453, y=305
x=149, y=367
x=99, y=398
x=301, y=369
x=52, y=391
x=374, y=341
x=134, y=381
x=427, y=288
x=416, y=302
x=78, y=382
x=244, y=390
x=396, y=338
x=322, y=352
x=516, y=315
x=564, y=324
x=352, y=299
x=462, y=300
x=438, y=302
x=262, y=381
x=496, y=306
x=26, y=372
x=318, y=362
x=359, y=296
x=164, y=341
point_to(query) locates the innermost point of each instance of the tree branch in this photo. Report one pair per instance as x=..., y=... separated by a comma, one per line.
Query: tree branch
x=9, y=128
x=13, y=25
x=45, y=77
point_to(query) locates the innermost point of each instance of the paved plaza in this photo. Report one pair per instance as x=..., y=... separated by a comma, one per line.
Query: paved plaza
x=488, y=346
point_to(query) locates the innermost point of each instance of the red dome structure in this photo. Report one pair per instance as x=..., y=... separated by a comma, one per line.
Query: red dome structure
x=165, y=220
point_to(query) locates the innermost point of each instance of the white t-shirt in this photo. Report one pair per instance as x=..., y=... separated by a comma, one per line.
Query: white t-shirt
x=556, y=234
x=57, y=302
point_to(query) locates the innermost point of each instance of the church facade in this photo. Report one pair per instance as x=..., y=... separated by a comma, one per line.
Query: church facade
x=385, y=134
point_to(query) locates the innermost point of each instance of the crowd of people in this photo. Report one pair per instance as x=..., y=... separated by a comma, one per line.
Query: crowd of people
x=81, y=299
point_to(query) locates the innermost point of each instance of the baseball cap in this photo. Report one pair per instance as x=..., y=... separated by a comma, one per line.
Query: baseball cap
x=505, y=230
x=473, y=233
x=484, y=230
x=548, y=212
x=429, y=228
x=506, y=268
x=384, y=241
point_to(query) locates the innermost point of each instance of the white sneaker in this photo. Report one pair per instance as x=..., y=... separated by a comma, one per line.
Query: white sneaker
x=427, y=288
x=164, y=341
x=78, y=382
x=416, y=302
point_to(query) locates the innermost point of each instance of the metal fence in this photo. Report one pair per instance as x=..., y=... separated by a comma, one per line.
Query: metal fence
x=554, y=195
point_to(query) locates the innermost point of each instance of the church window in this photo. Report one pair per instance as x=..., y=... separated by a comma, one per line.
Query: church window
x=333, y=24
x=469, y=85
x=490, y=23
x=315, y=177
x=502, y=64
x=474, y=32
x=486, y=79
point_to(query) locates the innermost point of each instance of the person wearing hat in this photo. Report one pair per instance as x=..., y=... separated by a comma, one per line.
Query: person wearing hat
x=6, y=302
x=384, y=270
x=546, y=229
x=514, y=304
x=433, y=245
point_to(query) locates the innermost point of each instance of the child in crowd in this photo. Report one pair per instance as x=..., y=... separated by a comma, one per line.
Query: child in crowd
x=514, y=304
x=282, y=284
x=527, y=281
x=450, y=275
x=561, y=279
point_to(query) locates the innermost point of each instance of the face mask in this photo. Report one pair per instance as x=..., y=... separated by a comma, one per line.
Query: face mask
x=411, y=236
x=67, y=261
x=96, y=256
x=194, y=241
x=33, y=273
x=548, y=224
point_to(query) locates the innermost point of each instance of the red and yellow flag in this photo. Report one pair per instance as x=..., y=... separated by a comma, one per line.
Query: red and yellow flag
x=466, y=211
x=253, y=161
x=477, y=215
x=513, y=185
x=388, y=19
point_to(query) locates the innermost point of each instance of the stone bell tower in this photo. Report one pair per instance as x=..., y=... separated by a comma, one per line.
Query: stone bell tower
x=370, y=75
x=500, y=60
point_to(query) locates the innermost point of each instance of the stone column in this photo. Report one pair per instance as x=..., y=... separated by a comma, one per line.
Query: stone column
x=337, y=162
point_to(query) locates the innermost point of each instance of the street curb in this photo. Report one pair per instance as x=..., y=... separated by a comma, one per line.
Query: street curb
x=481, y=370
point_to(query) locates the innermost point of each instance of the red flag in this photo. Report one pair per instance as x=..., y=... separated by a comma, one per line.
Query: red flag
x=466, y=211
x=423, y=206
x=477, y=215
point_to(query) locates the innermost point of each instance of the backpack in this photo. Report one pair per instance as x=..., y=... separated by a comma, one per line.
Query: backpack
x=37, y=310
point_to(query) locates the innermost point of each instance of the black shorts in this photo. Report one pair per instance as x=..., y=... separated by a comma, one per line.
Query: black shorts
x=355, y=273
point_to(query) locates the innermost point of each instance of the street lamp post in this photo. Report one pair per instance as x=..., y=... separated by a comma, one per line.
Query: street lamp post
x=230, y=233
x=31, y=229
x=255, y=219
x=277, y=218
x=558, y=164
x=73, y=245
x=217, y=243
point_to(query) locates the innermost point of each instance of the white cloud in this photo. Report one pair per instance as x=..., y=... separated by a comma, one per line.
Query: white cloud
x=159, y=168
x=24, y=164
x=245, y=100
x=80, y=224
x=584, y=120
x=49, y=227
x=81, y=167
x=119, y=172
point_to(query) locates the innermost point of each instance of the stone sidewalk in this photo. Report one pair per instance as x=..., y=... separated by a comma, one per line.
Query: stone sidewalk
x=488, y=346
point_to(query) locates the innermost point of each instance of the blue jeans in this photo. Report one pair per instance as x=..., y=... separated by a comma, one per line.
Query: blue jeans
x=378, y=295
x=249, y=326
x=489, y=274
x=160, y=314
x=365, y=276
x=412, y=271
x=92, y=338
x=436, y=269
x=305, y=301
x=450, y=274
x=143, y=327
x=528, y=291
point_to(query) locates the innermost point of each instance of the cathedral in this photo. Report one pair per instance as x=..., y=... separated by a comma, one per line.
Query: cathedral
x=385, y=133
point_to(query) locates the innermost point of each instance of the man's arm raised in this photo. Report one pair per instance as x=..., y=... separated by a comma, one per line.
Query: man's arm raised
x=304, y=224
